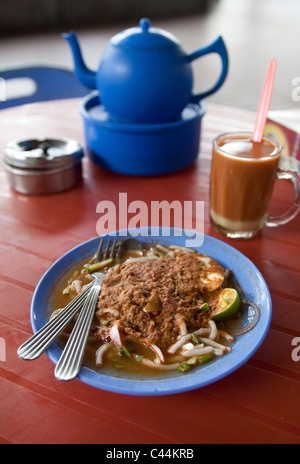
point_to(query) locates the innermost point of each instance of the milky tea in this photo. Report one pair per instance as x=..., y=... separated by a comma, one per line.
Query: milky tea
x=243, y=174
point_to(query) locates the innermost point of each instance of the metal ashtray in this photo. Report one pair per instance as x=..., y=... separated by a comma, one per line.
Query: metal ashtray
x=43, y=166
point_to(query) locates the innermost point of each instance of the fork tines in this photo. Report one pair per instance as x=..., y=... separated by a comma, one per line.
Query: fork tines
x=108, y=252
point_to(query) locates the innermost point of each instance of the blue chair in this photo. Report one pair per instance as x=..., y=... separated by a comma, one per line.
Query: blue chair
x=50, y=84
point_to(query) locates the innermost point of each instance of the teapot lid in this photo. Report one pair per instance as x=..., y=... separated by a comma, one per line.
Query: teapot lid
x=145, y=36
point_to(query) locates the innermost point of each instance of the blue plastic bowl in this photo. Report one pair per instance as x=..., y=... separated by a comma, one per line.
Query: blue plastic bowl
x=141, y=150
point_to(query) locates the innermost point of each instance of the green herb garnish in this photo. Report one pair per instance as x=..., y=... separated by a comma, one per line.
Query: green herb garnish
x=204, y=308
x=97, y=266
x=106, y=323
x=195, y=338
x=205, y=358
x=124, y=351
x=183, y=367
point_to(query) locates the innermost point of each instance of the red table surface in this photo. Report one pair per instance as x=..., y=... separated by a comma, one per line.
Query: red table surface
x=259, y=403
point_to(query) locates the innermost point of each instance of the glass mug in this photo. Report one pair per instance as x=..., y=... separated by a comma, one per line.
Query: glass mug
x=243, y=175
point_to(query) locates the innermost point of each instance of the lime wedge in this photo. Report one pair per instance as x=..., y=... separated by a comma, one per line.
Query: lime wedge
x=227, y=306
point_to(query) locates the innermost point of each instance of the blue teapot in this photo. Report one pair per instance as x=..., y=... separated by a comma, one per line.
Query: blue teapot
x=144, y=76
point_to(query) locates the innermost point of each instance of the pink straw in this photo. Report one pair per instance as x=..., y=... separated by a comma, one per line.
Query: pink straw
x=264, y=103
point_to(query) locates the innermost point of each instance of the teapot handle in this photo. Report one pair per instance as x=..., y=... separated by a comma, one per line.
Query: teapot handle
x=218, y=46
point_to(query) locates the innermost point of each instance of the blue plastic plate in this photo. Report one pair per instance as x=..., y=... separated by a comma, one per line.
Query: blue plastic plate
x=250, y=280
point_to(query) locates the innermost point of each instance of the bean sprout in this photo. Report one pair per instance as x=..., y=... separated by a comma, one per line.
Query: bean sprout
x=76, y=286
x=143, y=259
x=162, y=249
x=159, y=356
x=100, y=353
x=197, y=351
x=214, y=330
x=155, y=365
x=208, y=341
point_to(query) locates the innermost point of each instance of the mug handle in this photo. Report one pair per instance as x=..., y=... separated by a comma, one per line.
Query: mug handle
x=218, y=46
x=274, y=221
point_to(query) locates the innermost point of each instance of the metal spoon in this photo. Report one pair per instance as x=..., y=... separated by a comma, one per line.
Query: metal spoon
x=130, y=244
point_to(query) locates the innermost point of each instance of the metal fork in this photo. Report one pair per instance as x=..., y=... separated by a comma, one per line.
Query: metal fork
x=70, y=361
x=108, y=252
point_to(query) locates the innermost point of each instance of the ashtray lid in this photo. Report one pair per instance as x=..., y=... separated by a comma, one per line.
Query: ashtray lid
x=43, y=153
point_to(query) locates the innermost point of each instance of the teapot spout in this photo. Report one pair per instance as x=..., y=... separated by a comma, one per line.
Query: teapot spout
x=85, y=76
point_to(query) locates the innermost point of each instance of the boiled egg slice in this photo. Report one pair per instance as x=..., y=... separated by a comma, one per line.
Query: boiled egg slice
x=212, y=273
